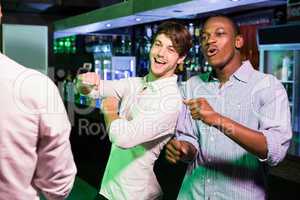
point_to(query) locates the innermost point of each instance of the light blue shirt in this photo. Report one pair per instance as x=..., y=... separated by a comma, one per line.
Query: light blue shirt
x=222, y=168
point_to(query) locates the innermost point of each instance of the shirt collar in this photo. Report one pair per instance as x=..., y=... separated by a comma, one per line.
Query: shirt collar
x=244, y=72
x=159, y=83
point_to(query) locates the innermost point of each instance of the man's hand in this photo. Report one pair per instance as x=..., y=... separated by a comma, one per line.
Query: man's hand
x=201, y=110
x=87, y=81
x=180, y=151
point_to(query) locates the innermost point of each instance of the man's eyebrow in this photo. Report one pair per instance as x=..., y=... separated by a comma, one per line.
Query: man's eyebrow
x=220, y=28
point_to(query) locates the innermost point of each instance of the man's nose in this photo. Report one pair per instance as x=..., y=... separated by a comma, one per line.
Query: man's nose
x=162, y=52
x=211, y=38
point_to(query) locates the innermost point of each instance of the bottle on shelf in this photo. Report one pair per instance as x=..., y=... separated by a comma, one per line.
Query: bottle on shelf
x=286, y=70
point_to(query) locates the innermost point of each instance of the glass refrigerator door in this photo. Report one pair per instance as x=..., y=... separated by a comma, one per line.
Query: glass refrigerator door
x=123, y=67
x=283, y=61
x=102, y=58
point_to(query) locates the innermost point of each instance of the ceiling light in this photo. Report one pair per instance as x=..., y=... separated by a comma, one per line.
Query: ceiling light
x=108, y=25
x=177, y=11
x=138, y=19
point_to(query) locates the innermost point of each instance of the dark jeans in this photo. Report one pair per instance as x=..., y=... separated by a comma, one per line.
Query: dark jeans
x=100, y=197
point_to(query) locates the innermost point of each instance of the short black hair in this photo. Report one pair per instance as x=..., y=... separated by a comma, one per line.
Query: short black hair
x=234, y=24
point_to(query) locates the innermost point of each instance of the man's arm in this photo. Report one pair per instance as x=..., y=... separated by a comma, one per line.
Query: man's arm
x=184, y=146
x=101, y=88
x=147, y=125
x=251, y=140
x=270, y=141
x=55, y=171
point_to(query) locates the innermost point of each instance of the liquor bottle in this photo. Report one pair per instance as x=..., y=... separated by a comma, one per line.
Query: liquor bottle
x=286, y=68
x=123, y=45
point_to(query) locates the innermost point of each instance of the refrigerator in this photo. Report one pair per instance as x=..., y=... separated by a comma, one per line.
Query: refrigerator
x=279, y=54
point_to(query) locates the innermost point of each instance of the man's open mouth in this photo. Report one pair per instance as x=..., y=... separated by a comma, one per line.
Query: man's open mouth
x=211, y=51
x=159, y=61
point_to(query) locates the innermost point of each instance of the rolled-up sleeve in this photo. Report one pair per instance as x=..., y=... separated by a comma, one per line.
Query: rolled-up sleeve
x=56, y=170
x=184, y=128
x=275, y=123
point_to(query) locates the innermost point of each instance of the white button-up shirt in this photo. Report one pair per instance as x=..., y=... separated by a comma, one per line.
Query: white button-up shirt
x=148, y=114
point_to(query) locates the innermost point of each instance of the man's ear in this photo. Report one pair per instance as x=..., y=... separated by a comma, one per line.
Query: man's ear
x=239, y=41
x=181, y=59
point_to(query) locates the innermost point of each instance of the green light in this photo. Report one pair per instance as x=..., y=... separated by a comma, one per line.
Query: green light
x=73, y=50
x=67, y=43
x=72, y=38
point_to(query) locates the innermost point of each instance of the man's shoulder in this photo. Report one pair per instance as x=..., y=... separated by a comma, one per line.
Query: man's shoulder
x=135, y=80
x=34, y=77
x=264, y=77
x=18, y=71
x=266, y=86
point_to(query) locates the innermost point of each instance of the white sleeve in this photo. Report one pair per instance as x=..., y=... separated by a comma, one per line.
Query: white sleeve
x=275, y=123
x=115, y=88
x=147, y=125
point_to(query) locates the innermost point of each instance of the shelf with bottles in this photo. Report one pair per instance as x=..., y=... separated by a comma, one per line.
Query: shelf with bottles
x=121, y=45
x=195, y=30
x=281, y=64
x=142, y=44
x=110, y=44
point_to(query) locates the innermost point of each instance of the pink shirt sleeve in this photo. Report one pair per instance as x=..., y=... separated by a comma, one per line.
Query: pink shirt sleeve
x=55, y=171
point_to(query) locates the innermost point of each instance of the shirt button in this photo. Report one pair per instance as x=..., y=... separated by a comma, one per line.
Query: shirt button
x=209, y=159
x=212, y=139
x=208, y=180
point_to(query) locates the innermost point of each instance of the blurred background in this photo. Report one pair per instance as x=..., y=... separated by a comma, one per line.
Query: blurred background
x=60, y=38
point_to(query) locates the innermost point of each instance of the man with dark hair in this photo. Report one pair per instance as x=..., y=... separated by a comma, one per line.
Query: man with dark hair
x=149, y=108
x=236, y=122
x=35, y=152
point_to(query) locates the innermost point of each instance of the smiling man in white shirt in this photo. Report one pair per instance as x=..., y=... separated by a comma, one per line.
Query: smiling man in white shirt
x=146, y=118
